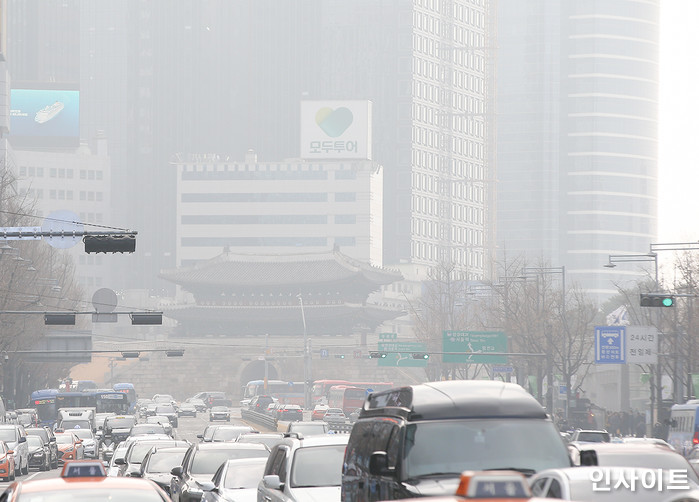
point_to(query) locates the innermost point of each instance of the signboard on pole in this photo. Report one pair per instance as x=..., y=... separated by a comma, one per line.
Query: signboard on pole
x=610, y=345
x=401, y=354
x=462, y=346
x=641, y=344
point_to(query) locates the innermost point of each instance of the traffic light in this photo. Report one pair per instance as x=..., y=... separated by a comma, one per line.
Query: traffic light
x=339, y=356
x=377, y=355
x=124, y=243
x=138, y=318
x=174, y=353
x=420, y=355
x=657, y=300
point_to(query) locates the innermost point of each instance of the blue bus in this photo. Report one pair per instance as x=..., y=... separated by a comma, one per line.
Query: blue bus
x=110, y=402
x=130, y=391
x=44, y=401
x=74, y=400
x=684, y=426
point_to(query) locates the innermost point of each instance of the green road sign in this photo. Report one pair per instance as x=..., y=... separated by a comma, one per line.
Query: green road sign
x=388, y=336
x=401, y=354
x=469, y=343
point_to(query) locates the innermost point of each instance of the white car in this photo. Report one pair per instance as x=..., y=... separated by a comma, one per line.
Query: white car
x=16, y=440
x=89, y=442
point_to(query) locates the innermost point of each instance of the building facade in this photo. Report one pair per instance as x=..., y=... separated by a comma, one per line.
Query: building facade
x=285, y=207
x=577, y=140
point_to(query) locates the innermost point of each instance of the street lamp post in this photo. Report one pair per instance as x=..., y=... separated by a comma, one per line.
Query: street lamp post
x=306, y=357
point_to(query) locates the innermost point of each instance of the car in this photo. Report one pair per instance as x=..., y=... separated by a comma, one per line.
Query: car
x=260, y=403
x=304, y=468
x=147, y=429
x=39, y=454
x=208, y=433
x=169, y=411
x=659, y=441
x=150, y=410
x=308, y=428
x=234, y=480
x=162, y=420
x=213, y=398
x=158, y=463
x=319, y=411
x=202, y=461
x=230, y=433
x=635, y=484
x=137, y=451
x=117, y=428
x=291, y=413
x=267, y=438
x=89, y=442
x=420, y=438
x=119, y=452
x=16, y=439
x=199, y=404
x=70, y=447
x=219, y=413
x=163, y=399
x=334, y=416
x=95, y=488
x=591, y=436
x=187, y=410
x=49, y=438
x=353, y=416
x=7, y=463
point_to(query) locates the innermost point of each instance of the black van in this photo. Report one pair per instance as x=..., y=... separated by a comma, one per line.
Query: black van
x=416, y=441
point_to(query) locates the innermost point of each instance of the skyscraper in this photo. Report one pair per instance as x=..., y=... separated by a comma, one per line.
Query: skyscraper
x=577, y=134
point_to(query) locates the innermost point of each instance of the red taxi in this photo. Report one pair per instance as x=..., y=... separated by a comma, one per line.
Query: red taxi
x=70, y=489
x=70, y=446
x=7, y=463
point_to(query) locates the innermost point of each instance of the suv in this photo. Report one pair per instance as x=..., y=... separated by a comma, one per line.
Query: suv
x=49, y=438
x=169, y=411
x=16, y=439
x=419, y=439
x=260, y=403
x=214, y=399
x=301, y=468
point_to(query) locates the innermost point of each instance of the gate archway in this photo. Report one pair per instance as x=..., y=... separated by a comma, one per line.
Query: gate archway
x=255, y=370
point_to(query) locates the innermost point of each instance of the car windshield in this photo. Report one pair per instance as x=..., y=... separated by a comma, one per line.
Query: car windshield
x=138, y=452
x=310, y=429
x=164, y=461
x=38, y=432
x=64, y=439
x=318, y=466
x=208, y=461
x=219, y=409
x=96, y=493
x=260, y=439
x=83, y=433
x=165, y=409
x=121, y=423
x=594, y=437
x=244, y=476
x=75, y=424
x=34, y=441
x=147, y=429
x=454, y=446
x=228, y=434
x=8, y=435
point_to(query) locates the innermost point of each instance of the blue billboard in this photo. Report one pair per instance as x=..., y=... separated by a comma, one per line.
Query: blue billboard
x=44, y=117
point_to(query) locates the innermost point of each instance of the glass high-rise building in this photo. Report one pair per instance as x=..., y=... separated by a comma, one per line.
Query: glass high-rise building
x=577, y=140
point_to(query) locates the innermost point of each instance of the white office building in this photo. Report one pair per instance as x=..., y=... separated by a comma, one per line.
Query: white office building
x=280, y=207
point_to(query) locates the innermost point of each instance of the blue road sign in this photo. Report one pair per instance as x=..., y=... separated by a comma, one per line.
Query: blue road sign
x=610, y=345
x=324, y=353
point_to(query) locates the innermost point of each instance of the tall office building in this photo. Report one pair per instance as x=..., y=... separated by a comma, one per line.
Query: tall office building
x=577, y=135
x=218, y=76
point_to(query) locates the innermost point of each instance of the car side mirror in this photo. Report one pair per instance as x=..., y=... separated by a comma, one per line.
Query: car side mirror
x=207, y=486
x=135, y=474
x=11, y=452
x=22, y=439
x=200, y=436
x=378, y=464
x=52, y=440
x=119, y=461
x=272, y=482
x=177, y=471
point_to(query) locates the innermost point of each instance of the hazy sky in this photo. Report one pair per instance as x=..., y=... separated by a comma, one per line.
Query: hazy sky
x=679, y=126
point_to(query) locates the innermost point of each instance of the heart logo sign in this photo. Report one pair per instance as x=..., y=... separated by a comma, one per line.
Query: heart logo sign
x=334, y=122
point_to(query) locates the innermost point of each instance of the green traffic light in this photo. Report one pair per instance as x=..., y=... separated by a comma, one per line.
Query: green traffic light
x=667, y=302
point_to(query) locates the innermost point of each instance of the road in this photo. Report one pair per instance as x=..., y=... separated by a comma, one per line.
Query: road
x=188, y=428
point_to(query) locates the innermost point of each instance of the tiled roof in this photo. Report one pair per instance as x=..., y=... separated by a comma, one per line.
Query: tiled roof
x=233, y=269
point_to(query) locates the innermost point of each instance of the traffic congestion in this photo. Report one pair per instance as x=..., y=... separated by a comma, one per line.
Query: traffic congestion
x=448, y=440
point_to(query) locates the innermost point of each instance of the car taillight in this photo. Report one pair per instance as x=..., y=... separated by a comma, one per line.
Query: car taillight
x=695, y=439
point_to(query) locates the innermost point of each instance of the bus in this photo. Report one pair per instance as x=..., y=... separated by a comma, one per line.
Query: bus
x=285, y=392
x=684, y=426
x=74, y=400
x=130, y=391
x=346, y=397
x=321, y=388
x=44, y=401
x=109, y=402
